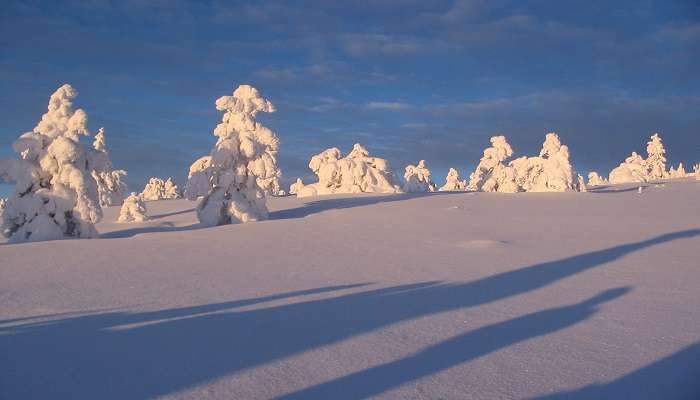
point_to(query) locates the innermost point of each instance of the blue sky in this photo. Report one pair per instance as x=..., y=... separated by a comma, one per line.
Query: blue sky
x=408, y=79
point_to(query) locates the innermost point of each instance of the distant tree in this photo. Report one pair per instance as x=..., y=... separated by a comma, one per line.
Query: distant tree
x=158, y=189
x=133, y=209
x=418, y=179
x=110, y=184
x=452, y=181
x=655, y=163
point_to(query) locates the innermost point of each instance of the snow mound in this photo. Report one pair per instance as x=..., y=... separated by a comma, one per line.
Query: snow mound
x=632, y=170
x=355, y=173
x=133, y=209
x=55, y=195
x=158, y=189
x=417, y=179
x=452, y=181
x=296, y=186
x=242, y=160
x=110, y=182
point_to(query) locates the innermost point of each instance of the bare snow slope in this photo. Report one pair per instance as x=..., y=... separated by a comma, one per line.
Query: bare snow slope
x=425, y=296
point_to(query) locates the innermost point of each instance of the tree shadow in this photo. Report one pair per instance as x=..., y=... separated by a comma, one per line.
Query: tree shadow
x=162, y=227
x=455, y=351
x=170, y=214
x=148, y=354
x=673, y=377
x=359, y=200
x=612, y=189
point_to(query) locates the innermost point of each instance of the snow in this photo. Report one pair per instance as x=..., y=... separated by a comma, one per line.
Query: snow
x=536, y=295
x=453, y=182
x=355, y=173
x=417, y=179
x=199, y=178
x=133, y=209
x=55, y=195
x=243, y=163
x=296, y=186
x=158, y=189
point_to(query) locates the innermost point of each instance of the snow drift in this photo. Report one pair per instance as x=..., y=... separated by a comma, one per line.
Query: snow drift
x=55, y=195
x=417, y=179
x=133, y=209
x=242, y=159
x=355, y=173
x=158, y=189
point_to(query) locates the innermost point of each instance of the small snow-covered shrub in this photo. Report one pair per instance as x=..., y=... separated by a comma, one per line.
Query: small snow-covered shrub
x=655, y=163
x=133, y=209
x=296, y=186
x=158, y=189
x=596, y=180
x=199, y=178
x=110, y=184
x=3, y=203
x=632, y=170
x=492, y=175
x=677, y=172
x=243, y=154
x=55, y=196
x=452, y=181
x=417, y=179
x=355, y=173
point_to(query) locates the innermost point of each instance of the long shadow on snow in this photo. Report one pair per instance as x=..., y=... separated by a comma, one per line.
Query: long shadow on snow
x=144, y=355
x=673, y=377
x=317, y=206
x=454, y=351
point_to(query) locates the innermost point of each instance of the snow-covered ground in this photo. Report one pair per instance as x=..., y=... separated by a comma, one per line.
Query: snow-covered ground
x=446, y=295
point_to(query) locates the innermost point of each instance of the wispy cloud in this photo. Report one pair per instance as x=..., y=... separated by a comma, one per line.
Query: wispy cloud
x=393, y=106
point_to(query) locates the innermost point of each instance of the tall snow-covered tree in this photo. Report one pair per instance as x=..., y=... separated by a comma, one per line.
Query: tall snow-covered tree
x=55, y=196
x=417, y=179
x=452, y=181
x=492, y=175
x=158, y=189
x=355, y=173
x=655, y=163
x=133, y=209
x=243, y=154
x=110, y=182
x=632, y=170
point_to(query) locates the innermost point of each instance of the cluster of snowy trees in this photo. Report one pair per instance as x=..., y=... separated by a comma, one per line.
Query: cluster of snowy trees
x=635, y=168
x=158, y=189
x=62, y=184
x=355, y=173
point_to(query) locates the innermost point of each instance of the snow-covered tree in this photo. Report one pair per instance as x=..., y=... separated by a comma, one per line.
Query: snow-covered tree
x=355, y=173
x=158, y=189
x=417, y=179
x=296, y=186
x=55, y=197
x=632, y=170
x=3, y=204
x=133, y=209
x=596, y=180
x=492, y=175
x=110, y=184
x=452, y=181
x=696, y=169
x=655, y=164
x=199, y=178
x=243, y=154
x=550, y=172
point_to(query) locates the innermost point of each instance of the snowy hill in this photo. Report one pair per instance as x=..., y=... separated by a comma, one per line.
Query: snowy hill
x=445, y=295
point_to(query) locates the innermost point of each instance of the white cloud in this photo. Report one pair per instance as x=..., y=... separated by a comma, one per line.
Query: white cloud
x=392, y=106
